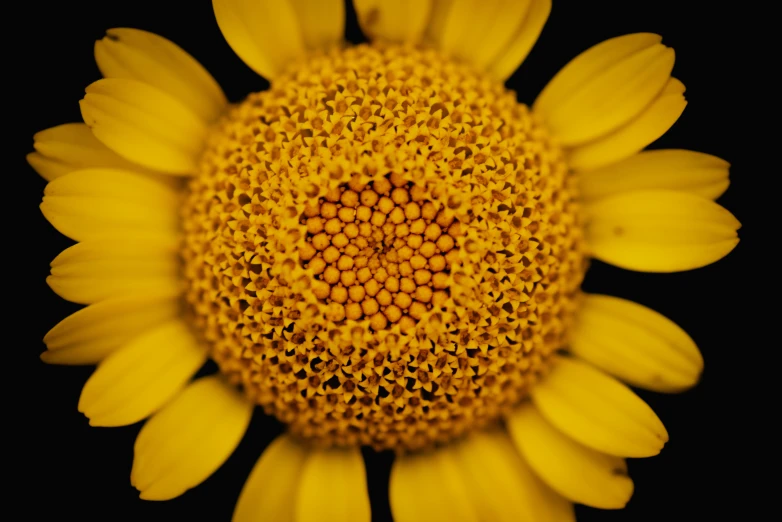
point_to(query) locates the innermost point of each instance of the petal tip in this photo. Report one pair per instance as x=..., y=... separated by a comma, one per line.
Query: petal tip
x=114, y=34
x=656, y=447
x=48, y=212
x=86, y=112
x=151, y=495
x=155, y=492
x=722, y=187
x=733, y=243
x=697, y=377
x=53, y=283
x=98, y=422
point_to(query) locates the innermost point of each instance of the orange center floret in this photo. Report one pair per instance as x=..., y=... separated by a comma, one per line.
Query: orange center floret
x=380, y=250
x=385, y=248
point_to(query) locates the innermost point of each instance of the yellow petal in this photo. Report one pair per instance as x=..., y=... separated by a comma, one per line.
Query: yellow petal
x=90, y=334
x=144, y=124
x=95, y=203
x=265, y=34
x=393, y=20
x=466, y=23
x=649, y=125
x=660, y=231
x=612, y=98
x=333, y=486
x=47, y=168
x=186, y=441
x=100, y=269
x=115, y=184
x=139, y=378
x=492, y=35
x=270, y=490
x=635, y=344
x=598, y=411
x=502, y=486
x=84, y=217
x=479, y=32
x=69, y=147
x=517, y=49
x=434, y=28
x=588, y=65
x=413, y=498
x=322, y=22
x=672, y=169
x=140, y=55
x=576, y=472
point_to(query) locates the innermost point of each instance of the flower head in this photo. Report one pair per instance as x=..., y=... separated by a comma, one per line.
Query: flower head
x=385, y=248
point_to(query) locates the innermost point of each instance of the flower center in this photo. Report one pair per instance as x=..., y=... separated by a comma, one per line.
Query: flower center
x=384, y=248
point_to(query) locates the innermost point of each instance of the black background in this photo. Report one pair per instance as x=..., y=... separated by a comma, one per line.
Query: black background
x=74, y=471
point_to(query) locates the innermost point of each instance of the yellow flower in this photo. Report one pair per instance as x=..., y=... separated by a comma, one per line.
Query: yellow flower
x=384, y=249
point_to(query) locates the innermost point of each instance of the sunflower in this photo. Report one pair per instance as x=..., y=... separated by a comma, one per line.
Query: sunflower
x=383, y=249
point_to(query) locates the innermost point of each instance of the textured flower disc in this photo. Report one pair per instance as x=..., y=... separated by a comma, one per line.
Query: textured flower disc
x=383, y=249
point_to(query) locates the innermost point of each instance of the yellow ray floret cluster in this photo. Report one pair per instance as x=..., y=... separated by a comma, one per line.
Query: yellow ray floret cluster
x=383, y=249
